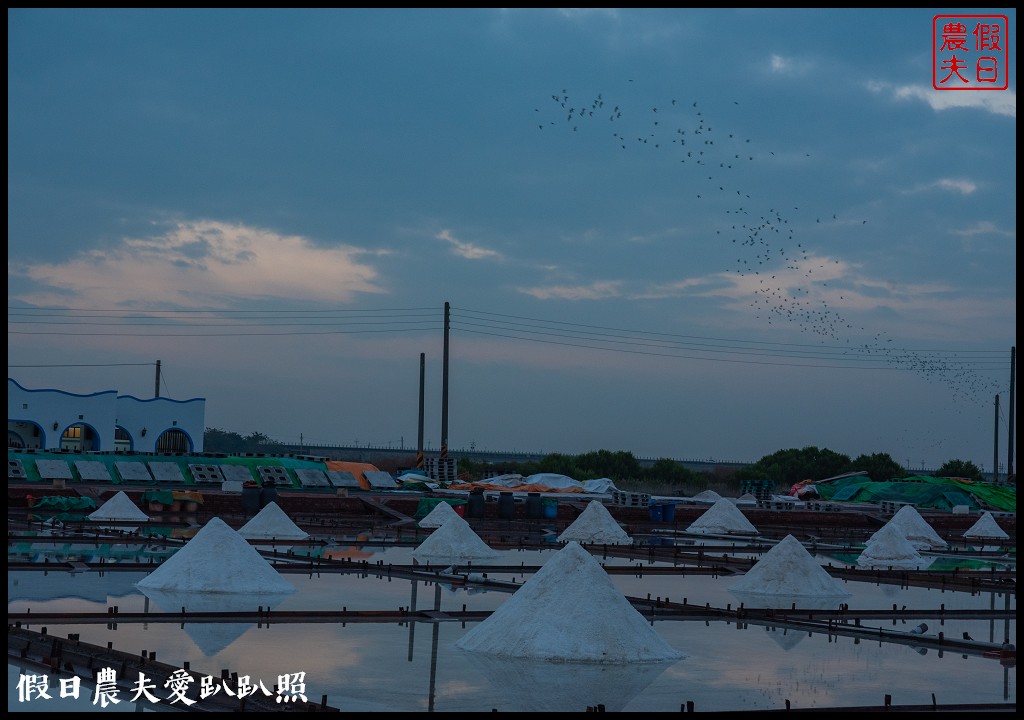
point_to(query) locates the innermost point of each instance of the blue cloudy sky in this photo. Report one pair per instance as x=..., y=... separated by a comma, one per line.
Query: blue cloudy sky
x=680, y=233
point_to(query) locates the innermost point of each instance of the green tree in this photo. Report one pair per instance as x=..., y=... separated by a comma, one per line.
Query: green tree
x=670, y=472
x=788, y=467
x=960, y=469
x=224, y=441
x=880, y=467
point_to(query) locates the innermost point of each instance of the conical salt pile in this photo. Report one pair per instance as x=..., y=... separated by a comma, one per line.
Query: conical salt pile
x=986, y=528
x=438, y=516
x=788, y=569
x=569, y=611
x=272, y=523
x=119, y=507
x=452, y=542
x=915, y=529
x=217, y=560
x=596, y=525
x=890, y=548
x=722, y=518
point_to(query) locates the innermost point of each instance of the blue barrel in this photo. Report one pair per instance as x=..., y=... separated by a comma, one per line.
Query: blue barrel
x=656, y=512
x=506, y=506
x=668, y=512
x=550, y=508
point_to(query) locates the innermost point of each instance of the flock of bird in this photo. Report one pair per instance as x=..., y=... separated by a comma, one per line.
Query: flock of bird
x=792, y=281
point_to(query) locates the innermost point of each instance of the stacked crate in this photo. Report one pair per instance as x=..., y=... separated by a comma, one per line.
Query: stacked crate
x=620, y=498
x=760, y=489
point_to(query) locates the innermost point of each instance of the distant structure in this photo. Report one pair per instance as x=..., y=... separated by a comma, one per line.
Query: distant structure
x=51, y=419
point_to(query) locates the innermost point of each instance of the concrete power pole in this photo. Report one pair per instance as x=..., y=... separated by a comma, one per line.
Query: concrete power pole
x=995, y=451
x=444, y=389
x=1011, y=438
x=419, y=442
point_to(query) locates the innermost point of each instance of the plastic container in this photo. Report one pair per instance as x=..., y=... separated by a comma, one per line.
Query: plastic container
x=267, y=496
x=668, y=512
x=656, y=512
x=550, y=508
x=250, y=500
x=476, y=504
x=534, y=506
x=506, y=505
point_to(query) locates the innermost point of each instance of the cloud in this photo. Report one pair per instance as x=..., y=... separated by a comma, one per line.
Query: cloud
x=202, y=263
x=964, y=187
x=675, y=289
x=959, y=185
x=599, y=290
x=467, y=250
x=997, y=102
x=781, y=65
x=984, y=227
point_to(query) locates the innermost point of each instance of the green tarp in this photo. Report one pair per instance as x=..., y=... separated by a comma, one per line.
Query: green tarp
x=924, y=491
x=64, y=503
x=427, y=504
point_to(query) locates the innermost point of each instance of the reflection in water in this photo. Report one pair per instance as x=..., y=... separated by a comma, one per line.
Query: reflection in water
x=416, y=666
x=529, y=685
x=212, y=637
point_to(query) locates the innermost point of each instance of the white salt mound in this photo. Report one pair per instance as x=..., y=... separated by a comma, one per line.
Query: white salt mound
x=986, y=528
x=916, y=529
x=708, y=497
x=452, y=542
x=119, y=507
x=569, y=611
x=217, y=560
x=722, y=518
x=889, y=547
x=438, y=516
x=272, y=522
x=788, y=569
x=596, y=525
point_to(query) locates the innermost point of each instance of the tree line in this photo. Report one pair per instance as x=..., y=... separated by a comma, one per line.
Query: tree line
x=783, y=468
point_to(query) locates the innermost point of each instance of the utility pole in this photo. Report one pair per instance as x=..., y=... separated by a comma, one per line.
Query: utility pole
x=419, y=440
x=444, y=389
x=995, y=452
x=1011, y=438
x=156, y=393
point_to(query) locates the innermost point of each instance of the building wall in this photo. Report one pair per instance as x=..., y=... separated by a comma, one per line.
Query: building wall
x=146, y=420
x=39, y=417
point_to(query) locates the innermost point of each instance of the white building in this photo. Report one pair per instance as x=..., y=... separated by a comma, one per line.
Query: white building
x=49, y=419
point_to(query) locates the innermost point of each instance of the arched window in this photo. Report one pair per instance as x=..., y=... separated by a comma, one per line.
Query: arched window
x=174, y=440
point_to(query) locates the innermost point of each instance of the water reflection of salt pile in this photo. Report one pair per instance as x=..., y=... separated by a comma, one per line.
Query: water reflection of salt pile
x=596, y=525
x=213, y=637
x=527, y=685
x=569, y=611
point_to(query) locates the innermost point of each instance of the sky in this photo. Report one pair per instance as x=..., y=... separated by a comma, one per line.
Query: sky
x=706, y=234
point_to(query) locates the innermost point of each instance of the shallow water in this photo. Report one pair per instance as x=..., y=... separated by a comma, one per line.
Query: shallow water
x=416, y=667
